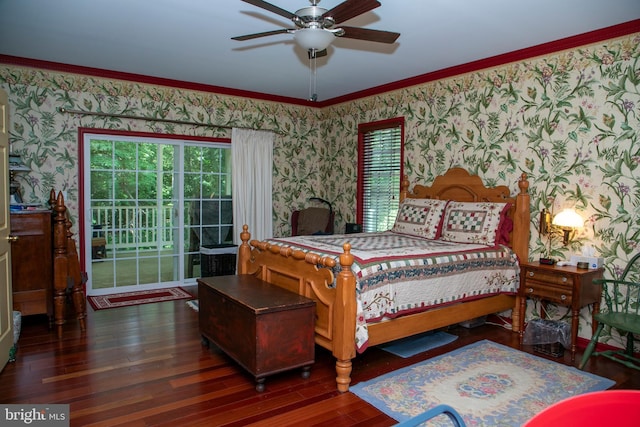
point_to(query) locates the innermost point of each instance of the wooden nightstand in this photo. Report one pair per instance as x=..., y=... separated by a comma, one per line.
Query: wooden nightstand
x=567, y=285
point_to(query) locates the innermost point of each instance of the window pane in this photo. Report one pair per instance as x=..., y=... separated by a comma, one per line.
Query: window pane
x=380, y=156
x=126, y=156
x=125, y=185
x=148, y=157
x=148, y=185
x=192, y=186
x=192, y=157
x=101, y=185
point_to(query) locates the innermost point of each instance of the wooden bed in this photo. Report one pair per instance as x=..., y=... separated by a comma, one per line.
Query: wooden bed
x=311, y=275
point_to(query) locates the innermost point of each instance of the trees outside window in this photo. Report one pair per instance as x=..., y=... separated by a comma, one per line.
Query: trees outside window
x=380, y=156
x=152, y=203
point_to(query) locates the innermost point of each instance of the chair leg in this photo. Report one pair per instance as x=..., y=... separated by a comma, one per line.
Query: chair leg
x=591, y=346
x=630, y=346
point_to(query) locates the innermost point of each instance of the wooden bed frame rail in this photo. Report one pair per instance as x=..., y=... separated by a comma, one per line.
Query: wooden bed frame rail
x=312, y=275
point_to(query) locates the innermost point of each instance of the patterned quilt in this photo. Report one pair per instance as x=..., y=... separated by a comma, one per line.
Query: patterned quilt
x=398, y=274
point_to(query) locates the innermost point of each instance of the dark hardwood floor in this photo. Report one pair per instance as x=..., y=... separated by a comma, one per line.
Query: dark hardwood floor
x=145, y=366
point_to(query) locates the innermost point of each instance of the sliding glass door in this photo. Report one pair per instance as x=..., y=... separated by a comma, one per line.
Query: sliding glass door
x=150, y=204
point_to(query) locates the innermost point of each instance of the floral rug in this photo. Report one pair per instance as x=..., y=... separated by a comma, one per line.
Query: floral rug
x=125, y=299
x=487, y=383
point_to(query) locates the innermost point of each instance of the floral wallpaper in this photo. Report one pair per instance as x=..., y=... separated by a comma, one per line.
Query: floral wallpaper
x=569, y=120
x=47, y=138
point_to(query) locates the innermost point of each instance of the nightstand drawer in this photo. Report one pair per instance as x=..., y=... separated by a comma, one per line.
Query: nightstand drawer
x=551, y=277
x=547, y=291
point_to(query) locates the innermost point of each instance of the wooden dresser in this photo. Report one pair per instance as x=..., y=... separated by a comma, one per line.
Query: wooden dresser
x=31, y=262
x=264, y=328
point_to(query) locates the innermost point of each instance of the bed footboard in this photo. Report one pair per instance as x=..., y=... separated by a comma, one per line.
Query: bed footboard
x=312, y=276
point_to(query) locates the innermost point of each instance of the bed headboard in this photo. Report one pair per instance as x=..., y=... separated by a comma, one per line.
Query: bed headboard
x=457, y=184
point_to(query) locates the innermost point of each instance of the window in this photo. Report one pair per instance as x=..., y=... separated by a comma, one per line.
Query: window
x=380, y=153
x=150, y=203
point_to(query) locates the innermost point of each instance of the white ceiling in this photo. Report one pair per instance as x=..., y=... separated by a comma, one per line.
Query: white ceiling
x=190, y=40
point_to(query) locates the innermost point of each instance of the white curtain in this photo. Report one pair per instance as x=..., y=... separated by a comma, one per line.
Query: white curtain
x=252, y=156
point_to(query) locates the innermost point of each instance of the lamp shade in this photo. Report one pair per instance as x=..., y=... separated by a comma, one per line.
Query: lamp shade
x=568, y=218
x=313, y=38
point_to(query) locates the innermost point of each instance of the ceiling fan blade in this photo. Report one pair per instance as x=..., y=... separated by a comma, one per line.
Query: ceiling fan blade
x=370, y=35
x=271, y=8
x=350, y=9
x=256, y=35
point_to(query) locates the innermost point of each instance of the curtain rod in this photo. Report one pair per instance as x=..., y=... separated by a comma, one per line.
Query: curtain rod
x=153, y=119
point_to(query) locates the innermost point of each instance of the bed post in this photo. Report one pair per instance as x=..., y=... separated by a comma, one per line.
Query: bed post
x=76, y=278
x=344, y=322
x=60, y=260
x=522, y=219
x=244, y=251
x=404, y=188
x=521, y=222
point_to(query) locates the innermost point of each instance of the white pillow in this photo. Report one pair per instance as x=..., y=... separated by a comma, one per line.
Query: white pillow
x=420, y=217
x=472, y=222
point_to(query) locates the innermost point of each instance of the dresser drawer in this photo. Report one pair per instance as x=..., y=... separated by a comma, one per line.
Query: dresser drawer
x=547, y=291
x=549, y=277
x=27, y=224
x=31, y=302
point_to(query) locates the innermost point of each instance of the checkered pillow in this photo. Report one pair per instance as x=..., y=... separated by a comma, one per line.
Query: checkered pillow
x=420, y=217
x=471, y=222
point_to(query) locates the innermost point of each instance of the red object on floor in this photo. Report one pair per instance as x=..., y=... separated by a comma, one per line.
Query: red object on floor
x=102, y=302
x=617, y=408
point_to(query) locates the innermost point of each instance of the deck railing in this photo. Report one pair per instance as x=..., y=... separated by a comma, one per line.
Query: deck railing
x=149, y=227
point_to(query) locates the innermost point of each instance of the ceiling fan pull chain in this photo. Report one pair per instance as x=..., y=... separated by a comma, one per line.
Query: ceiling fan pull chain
x=310, y=79
x=315, y=77
x=313, y=95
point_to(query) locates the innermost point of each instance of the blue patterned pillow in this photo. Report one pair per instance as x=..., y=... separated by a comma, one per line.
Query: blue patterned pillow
x=420, y=217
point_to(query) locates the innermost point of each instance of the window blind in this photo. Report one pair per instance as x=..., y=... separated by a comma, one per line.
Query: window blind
x=381, y=170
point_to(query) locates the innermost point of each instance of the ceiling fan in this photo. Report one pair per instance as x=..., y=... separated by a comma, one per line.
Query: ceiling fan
x=314, y=26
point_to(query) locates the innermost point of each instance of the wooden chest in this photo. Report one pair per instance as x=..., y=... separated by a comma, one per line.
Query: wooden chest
x=266, y=329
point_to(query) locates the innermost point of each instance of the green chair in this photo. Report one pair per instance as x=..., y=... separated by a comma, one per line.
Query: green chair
x=622, y=312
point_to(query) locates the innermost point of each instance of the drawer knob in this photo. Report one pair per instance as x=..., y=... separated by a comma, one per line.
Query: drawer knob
x=563, y=297
x=531, y=274
x=530, y=290
x=564, y=280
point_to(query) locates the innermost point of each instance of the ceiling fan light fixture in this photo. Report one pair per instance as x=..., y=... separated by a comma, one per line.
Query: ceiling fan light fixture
x=313, y=38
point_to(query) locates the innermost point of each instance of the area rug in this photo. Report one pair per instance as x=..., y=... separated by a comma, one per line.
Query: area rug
x=101, y=302
x=487, y=383
x=411, y=346
x=194, y=304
